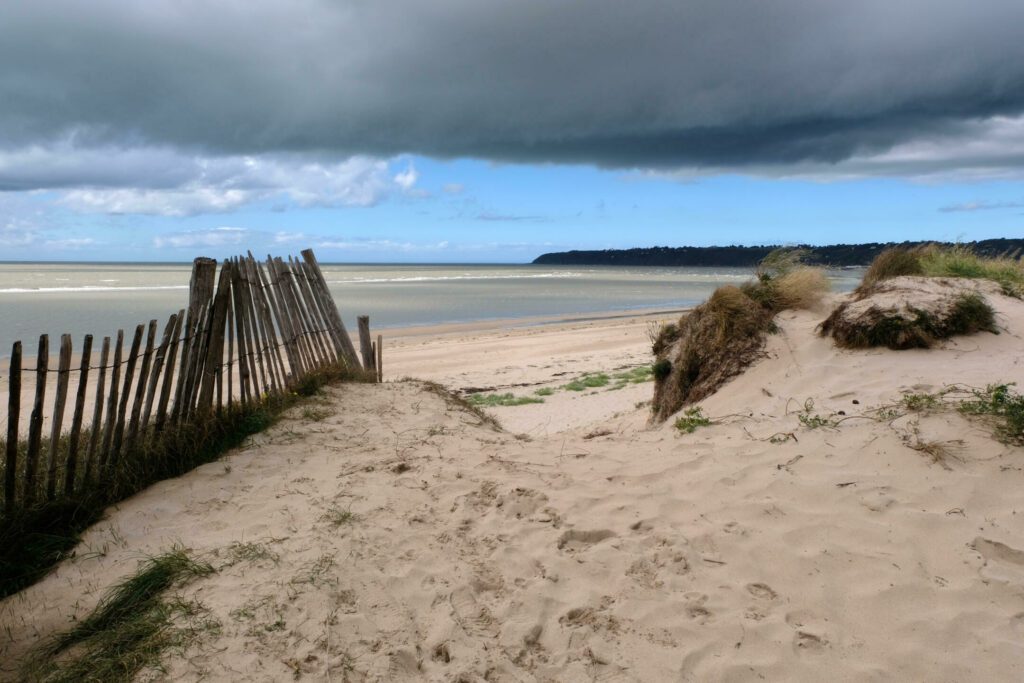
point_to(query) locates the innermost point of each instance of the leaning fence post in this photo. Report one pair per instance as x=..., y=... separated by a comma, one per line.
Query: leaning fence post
x=13, y=409
x=380, y=358
x=96, y=429
x=140, y=388
x=57, y=419
x=158, y=366
x=35, y=423
x=111, y=421
x=215, y=349
x=76, y=420
x=349, y=349
x=126, y=394
x=365, y=347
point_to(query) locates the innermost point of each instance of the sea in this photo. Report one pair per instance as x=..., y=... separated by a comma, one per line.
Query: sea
x=100, y=298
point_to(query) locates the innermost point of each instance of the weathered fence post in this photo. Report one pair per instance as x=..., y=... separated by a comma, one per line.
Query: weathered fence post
x=111, y=423
x=35, y=423
x=71, y=465
x=346, y=341
x=172, y=359
x=96, y=428
x=215, y=350
x=13, y=410
x=365, y=347
x=158, y=365
x=380, y=358
x=57, y=419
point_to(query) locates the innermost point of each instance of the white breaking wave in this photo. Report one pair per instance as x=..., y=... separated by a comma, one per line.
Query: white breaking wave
x=87, y=288
x=439, y=278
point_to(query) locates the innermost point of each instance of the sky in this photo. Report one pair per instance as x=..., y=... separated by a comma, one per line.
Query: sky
x=494, y=131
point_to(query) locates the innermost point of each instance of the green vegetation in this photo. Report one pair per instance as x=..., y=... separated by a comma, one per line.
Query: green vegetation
x=637, y=375
x=662, y=368
x=956, y=261
x=336, y=517
x=250, y=552
x=692, y=419
x=33, y=540
x=588, y=381
x=544, y=391
x=130, y=629
x=808, y=418
x=1000, y=403
x=969, y=313
x=491, y=400
x=920, y=403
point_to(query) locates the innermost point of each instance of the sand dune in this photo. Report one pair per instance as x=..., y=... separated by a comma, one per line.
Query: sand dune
x=580, y=543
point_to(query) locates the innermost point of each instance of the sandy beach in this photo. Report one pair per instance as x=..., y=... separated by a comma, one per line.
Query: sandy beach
x=402, y=537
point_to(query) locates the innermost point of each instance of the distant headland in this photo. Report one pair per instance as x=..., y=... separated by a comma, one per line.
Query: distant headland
x=835, y=255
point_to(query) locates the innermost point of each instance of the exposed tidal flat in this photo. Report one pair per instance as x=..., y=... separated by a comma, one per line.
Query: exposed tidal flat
x=99, y=299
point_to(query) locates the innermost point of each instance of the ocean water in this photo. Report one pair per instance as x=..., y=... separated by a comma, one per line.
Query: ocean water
x=99, y=299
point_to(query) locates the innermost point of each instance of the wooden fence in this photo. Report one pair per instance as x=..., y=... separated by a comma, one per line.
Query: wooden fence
x=254, y=331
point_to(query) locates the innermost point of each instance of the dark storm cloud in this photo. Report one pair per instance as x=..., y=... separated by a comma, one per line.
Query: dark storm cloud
x=712, y=83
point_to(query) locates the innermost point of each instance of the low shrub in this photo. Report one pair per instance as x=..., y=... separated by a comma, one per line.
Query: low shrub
x=1001, y=403
x=692, y=419
x=968, y=314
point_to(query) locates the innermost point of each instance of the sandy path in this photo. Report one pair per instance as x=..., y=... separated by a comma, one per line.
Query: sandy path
x=640, y=555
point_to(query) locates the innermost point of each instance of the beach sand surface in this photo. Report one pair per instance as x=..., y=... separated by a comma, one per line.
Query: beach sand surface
x=406, y=538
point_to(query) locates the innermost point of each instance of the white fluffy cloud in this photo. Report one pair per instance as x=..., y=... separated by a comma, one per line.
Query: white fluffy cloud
x=169, y=182
x=216, y=237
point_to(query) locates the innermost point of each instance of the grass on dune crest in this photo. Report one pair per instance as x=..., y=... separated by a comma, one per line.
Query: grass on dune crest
x=935, y=261
x=130, y=629
x=923, y=326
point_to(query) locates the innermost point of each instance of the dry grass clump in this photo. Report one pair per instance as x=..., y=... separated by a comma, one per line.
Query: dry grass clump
x=720, y=338
x=893, y=262
x=968, y=313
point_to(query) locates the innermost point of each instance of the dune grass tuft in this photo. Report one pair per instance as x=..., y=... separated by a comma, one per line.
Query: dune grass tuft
x=129, y=630
x=589, y=381
x=892, y=262
x=508, y=399
x=718, y=339
x=955, y=262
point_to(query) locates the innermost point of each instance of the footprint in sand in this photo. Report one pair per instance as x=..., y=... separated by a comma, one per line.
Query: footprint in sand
x=403, y=665
x=474, y=618
x=878, y=500
x=1002, y=562
x=440, y=653
x=808, y=637
x=762, y=591
x=696, y=608
x=764, y=596
x=578, y=539
x=805, y=641
x=521, y=502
